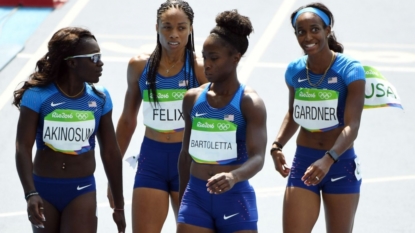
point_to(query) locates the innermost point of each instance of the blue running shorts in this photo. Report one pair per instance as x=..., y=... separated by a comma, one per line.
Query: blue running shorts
x=342, y=178
x=234, y=210
x=157, y=165
x=60, y=192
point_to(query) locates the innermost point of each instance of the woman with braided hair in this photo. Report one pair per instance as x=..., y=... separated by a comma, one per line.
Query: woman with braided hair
x=224, y=140
x=62, y=111
x=326, y=96
x=158, y=82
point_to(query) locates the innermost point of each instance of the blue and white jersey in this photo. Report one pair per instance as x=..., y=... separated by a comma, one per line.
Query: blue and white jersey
x=167, y=116
x=218, y=135
x=67, y=125
x=309, y=106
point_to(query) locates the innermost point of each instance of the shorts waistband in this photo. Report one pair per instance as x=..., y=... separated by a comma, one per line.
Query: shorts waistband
x=60, y=180
x=161, y=146
x=316, y=153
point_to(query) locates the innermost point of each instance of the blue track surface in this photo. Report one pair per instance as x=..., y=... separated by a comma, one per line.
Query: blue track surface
x=16, y=26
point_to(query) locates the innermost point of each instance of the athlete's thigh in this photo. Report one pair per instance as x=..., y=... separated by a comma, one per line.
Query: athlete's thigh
x=149, y=209
x=187, y=228
x=246, y=231
x=340, y=210
x=80, y=214
x=52, y=216
x=174, y=197
x=300, y=210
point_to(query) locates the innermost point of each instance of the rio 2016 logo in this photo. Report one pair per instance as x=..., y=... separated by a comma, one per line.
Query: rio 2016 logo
x=223, y=126
x=82, y=116
x=324, y=95
x=178, y=95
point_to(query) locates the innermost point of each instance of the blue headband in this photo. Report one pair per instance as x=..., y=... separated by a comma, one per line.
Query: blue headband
x=316, y=11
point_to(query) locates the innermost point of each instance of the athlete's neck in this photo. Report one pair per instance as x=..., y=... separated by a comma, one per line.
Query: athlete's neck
x=318, y=63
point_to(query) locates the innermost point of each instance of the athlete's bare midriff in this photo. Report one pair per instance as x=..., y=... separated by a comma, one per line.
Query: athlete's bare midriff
x=164, y=137
x=205, y=171
x=49, y=163
x=319, y=140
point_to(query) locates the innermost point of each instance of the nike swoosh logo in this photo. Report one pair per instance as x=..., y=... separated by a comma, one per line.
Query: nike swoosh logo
x=54, y=105
x=230, y=216
x=336, y=179
x=302, y=80
x=80, y=188
x=200, y=114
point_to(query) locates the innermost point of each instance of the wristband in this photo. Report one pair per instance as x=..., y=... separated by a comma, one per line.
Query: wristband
x=29, y=194
x=333, y=155
x=274, y=149
x=118, y=209
x=279, y=145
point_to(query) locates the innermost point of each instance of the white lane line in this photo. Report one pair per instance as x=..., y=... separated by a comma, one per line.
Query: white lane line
x=275, y=65
x=379, y=45
x=265, y=40
x=29, y=67
x=260, y=192
x=131, y=37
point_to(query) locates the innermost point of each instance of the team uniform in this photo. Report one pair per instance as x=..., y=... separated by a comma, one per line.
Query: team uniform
x=157, y=161
x=66, y=125
x=320, y=109
x=218, y=137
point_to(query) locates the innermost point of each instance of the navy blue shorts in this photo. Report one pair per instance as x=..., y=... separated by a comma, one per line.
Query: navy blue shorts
x=342, y=178
x=157, y=165
x=234, y=210
x=60, y=192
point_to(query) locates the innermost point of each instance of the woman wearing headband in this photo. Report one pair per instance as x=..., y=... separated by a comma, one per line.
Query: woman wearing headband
x=63, y=113
x=157, y=83
x=326, y=96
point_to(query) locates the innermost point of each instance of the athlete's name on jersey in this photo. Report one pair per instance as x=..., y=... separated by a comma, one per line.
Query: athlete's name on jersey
x=161, y=96
x=205, y=125
x=67, y=133
x=62, y=115
x=307, y=95
x=314, y=113
x=211, y=145
x=166, y=114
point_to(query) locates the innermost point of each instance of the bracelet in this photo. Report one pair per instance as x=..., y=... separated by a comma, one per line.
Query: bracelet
x=29, y=194
x=118, y=209
x=274, y=149
x=278, y=144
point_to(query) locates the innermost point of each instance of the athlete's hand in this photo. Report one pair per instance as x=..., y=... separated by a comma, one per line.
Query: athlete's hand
x=119, y=219
x=280, y=163
x=220, y=183
x=317, y=171
x=35, y=211
x=109, y=196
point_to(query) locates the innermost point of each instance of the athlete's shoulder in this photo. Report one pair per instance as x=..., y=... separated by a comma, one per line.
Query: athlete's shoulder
x=345, y=63
x=139, y=61
x=41, y=90
x=298, y=63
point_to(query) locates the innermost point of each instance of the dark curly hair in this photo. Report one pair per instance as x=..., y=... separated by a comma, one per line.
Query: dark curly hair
x=52, y=65
x=233, y=28
x=155, y=57
x=332, y=41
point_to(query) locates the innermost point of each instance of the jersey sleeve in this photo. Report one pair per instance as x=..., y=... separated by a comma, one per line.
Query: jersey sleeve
x=354, y=72
x=108, y=102
x=32, y=99
x=289, y=75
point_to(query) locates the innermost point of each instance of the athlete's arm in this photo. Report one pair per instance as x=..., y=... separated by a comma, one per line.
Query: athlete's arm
x=352, y=115
x=128, y=119
x=287, y=130
x=25, y=138
x=353, y=111
x=254, y=112
x=200, y=70
x=184, y=158
x=112, y=161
